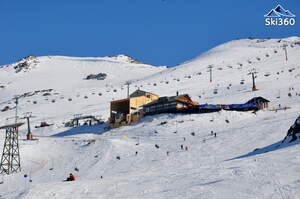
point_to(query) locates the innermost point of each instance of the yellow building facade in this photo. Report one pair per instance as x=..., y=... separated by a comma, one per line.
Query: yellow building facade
x=126, y=111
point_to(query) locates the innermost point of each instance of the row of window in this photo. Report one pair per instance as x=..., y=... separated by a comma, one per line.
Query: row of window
x=161, y=107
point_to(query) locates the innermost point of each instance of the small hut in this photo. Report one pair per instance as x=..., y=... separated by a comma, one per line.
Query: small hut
x=261, y=102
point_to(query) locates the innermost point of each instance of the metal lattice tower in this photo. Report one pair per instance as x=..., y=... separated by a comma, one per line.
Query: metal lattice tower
x=10, y=161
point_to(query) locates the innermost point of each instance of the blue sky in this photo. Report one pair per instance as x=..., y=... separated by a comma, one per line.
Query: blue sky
x=158, y=32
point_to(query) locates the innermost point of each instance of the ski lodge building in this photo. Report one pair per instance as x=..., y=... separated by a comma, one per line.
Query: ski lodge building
x=126, y=111
x=173, y=104
x=139, y=103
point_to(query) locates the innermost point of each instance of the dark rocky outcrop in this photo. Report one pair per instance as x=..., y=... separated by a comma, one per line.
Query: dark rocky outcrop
x=293, y=133
x=26, y=63
x=6, y=108
x=126, y=58
x=99, y=76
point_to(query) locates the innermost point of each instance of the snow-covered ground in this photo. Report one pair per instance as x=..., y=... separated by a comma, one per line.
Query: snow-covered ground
x=245, y=160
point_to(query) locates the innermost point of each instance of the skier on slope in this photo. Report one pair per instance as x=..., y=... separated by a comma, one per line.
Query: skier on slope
x=71, y=177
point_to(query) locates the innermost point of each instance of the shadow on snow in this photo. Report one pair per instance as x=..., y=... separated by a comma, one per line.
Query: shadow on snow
x=272, y=147
x=84, y=129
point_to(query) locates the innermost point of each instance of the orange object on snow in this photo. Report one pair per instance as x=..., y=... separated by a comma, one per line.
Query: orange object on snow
x=71, y=177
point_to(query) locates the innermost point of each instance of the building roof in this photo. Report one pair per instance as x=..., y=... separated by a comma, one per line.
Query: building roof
x=140, y=93
x=258, y=100
x=120, y=100
x=163, y=100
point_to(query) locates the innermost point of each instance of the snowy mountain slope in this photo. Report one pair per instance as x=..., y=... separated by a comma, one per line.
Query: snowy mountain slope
x=203, y=170
x=66, y=77
x=212, y=167
x=267, y=57
x=53, y=71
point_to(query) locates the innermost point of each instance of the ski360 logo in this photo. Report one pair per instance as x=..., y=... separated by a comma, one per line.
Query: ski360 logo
x=280, y=17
